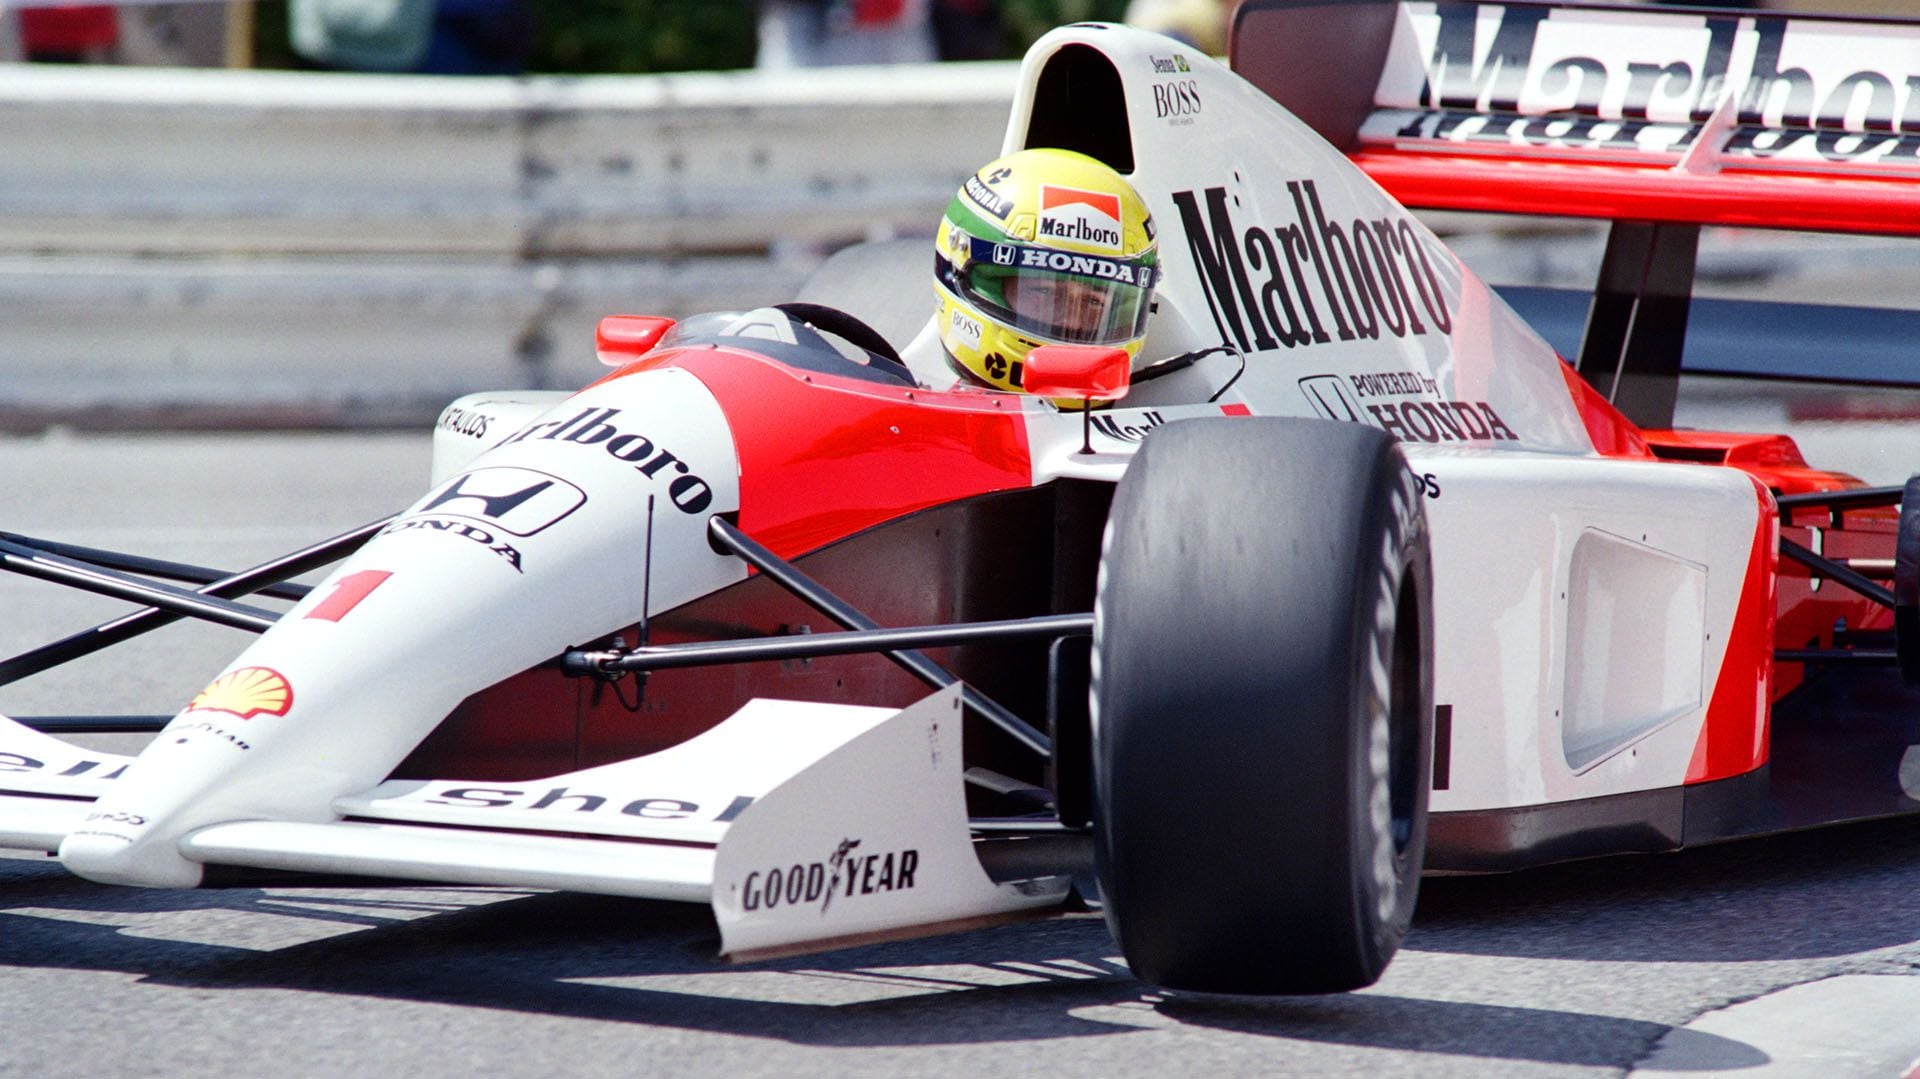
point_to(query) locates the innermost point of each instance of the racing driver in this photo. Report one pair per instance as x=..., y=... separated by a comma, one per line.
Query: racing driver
x=1039, y=247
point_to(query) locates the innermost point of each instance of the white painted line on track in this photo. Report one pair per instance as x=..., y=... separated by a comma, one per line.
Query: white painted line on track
x=1865, y=1025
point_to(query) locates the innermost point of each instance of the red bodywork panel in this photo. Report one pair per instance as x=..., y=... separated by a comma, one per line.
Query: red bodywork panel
x=822, y=458
x=1612, y=433
x=1733, y=737
x=1490, y=182
x=1781, y=605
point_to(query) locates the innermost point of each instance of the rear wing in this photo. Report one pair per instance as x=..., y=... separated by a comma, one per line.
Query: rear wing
x=1683, y=115
x=1660, y=120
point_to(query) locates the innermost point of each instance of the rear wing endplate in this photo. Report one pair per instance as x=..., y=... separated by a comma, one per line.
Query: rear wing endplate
x=1697, y=116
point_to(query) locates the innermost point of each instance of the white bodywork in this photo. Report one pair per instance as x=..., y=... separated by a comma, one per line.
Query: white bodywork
x=1582, y=611
x=1581, y=602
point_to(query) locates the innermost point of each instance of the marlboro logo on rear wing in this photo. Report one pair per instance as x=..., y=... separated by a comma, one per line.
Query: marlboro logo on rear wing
x=1714, y=117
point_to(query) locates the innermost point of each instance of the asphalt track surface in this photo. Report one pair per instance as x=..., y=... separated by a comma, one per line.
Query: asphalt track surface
x=1788, y=956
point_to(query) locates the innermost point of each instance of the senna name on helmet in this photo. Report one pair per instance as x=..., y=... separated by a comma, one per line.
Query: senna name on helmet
x=1042, y=247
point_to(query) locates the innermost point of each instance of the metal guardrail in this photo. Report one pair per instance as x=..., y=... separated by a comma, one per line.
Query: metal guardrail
x=362, y=247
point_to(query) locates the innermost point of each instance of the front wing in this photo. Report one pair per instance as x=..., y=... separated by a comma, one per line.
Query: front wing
x=803, y=825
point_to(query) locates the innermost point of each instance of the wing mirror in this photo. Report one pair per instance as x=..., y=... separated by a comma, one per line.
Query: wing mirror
x=1084, y=371
x=621, y=339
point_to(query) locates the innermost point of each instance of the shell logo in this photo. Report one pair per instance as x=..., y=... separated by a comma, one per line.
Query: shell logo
x=247, y=692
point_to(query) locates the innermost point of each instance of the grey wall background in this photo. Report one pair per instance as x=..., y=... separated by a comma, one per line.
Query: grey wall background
x=180, y=246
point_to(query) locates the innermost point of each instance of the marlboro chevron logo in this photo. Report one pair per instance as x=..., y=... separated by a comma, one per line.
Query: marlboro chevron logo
x=1083, y=217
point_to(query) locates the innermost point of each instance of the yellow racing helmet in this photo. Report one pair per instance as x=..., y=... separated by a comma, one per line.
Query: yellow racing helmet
x=1042, y=247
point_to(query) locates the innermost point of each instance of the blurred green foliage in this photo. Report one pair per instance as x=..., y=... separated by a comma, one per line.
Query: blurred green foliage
x=271, y=48
x=1026, y=20
x=638, y=36
x=578, y=36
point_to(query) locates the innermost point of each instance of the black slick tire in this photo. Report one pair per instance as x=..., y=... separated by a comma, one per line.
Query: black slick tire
x=1262, y=695
x=1906, y=584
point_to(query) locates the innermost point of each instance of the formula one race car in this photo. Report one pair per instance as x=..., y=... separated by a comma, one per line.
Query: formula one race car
x=1357, y=576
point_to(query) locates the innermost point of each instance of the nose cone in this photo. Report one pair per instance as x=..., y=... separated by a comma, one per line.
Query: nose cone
x=114, y=858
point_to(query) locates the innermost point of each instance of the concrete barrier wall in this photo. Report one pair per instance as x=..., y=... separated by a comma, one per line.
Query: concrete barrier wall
x=314, y=245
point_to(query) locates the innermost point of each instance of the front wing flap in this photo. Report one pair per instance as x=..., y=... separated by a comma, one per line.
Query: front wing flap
x=47, y=786
x=805, y=825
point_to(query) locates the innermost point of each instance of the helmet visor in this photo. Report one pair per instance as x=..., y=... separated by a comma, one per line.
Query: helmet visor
x=1058, y=295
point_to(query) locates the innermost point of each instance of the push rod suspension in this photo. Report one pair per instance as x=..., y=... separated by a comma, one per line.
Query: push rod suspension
x=1836, y=572
x=810, y=645
x=1852, y=498
x=1859, y=657
x=267, y=577
x=148, y=567
x=31, y=563
x=94, y=724
x=787, y=576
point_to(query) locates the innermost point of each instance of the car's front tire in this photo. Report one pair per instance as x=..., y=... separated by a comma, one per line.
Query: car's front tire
x=1262, y=695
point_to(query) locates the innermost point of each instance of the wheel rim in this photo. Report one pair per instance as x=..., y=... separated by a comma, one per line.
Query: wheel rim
x=1403, y=719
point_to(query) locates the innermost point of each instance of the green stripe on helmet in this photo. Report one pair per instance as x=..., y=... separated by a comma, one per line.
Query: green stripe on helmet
x=961, y=212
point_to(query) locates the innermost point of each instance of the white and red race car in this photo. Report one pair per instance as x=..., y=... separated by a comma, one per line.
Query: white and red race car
x=1358, y=576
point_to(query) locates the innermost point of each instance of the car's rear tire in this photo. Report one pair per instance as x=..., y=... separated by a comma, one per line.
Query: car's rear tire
x=1906, y=584
x=1262, y=695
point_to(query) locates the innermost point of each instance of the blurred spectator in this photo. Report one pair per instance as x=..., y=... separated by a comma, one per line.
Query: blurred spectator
x=479, y=37
x=821, y=33
x=1200, y=23
x=186, y=35
x=69, y=34
x=968, y=30
x=148, y=34
x=361, y=35
x=441, y=37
